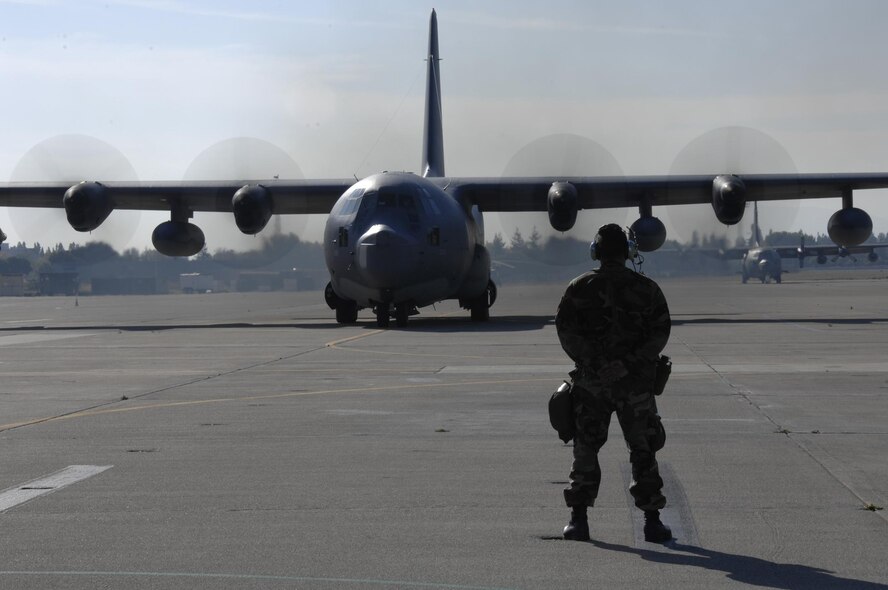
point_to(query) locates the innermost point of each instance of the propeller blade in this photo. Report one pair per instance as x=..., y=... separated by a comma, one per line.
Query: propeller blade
x=565, y=155
x=250, y=159
x=73, y=158
x=730, y=150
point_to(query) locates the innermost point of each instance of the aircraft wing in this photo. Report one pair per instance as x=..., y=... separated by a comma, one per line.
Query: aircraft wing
x=490, y=194
x=289, y=196
x=793, y=251
x=725, y=254
x=530, y=194
x=835, y=250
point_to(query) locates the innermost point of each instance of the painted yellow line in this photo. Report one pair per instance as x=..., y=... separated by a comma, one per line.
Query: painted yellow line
x=336, y=343
x=266, y=396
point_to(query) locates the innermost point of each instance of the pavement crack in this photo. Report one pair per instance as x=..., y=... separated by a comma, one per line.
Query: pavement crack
x=122, y=399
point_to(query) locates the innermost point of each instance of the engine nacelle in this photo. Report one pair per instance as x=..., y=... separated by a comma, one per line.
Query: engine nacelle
x=728, y=198
x=650, y=233
x=178, y=238
x=87, y=205
x=562, y=205
x=252, y=205
x=849, y=226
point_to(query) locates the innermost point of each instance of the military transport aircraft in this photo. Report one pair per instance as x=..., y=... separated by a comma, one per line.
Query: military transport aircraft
x=823, y=252
x=396, y=241
x=765, y=263
x=757, y=261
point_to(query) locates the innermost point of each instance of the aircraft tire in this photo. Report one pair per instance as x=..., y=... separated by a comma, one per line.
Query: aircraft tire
x=382, y=315
x=480, y=312
x=744, y=278
x=402, y=312
x=346, y=312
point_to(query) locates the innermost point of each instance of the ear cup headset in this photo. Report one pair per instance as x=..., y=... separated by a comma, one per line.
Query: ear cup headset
x=611, y=239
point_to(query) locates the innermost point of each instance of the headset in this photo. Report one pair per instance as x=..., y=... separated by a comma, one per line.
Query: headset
x=610, y=233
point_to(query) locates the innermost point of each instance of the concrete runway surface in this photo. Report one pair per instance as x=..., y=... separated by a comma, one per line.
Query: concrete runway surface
x=248, y=441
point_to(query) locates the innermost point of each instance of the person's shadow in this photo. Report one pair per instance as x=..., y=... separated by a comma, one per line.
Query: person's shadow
x=748, y=570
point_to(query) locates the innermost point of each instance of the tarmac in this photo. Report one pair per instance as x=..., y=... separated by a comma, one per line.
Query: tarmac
x=248, y=441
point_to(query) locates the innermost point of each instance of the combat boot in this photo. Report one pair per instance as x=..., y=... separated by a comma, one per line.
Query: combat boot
x=578, y=527
x=654, y=530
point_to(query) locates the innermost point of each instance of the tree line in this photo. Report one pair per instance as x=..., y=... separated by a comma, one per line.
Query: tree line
x=530, y=258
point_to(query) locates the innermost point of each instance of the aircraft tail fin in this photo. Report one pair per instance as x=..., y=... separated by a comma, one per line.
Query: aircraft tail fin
x=756, y=230
x=433, y=135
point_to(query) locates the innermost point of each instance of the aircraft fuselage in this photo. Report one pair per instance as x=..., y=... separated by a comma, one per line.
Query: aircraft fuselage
x=763, y=264
x=399, y=239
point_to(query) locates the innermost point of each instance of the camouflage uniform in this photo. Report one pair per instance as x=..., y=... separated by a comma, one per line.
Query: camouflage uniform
x=614, y=314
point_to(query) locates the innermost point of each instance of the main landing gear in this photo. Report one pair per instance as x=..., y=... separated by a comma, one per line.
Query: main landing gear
x=402, y=311
x=346, y=310
x=479, y=307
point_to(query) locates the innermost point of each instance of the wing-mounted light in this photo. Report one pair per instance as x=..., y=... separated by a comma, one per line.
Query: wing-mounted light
x=728, y=198
x=562, y=205
x=87, y=205
x=252, y=206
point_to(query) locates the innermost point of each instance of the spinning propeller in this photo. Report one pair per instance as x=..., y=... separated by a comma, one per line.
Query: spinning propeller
x=562, y=154
x=730, y=150
x=72, y=158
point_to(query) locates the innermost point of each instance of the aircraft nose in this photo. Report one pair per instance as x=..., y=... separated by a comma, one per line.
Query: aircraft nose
x=385, y=257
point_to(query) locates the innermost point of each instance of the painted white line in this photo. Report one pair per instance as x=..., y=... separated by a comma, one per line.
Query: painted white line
x=16, y=339
x=25, y=492
x=505, y=369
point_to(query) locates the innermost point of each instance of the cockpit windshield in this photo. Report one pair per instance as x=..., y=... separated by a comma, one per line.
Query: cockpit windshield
x=394, y=204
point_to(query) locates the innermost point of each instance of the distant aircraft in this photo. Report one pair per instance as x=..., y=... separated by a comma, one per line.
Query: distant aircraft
x=823, y=252
x=765, y=263
x=395, y=241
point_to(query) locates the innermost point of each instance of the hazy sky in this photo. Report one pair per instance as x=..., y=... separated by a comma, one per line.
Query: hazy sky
x=339, y=87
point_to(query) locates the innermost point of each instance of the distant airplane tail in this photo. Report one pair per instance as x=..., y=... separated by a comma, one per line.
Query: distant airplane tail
x=433, y=135
x=756, y=237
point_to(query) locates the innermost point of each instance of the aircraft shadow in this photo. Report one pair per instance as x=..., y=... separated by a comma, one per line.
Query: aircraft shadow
x=418, y=324
x=499, y=323
x=748, y=570
x=506, y=323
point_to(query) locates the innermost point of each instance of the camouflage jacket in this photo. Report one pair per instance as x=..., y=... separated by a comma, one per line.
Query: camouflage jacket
x=613, y=313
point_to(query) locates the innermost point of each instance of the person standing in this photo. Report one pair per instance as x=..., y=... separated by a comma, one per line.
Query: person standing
x=613, y=323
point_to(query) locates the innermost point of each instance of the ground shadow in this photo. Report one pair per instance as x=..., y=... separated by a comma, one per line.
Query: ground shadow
x=516, y=323
x=499, y=323
x=748, y=570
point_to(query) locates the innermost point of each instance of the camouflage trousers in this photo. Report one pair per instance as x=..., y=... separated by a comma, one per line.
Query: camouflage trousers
x=637, y=413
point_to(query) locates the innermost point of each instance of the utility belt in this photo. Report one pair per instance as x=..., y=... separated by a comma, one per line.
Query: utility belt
x=591, y=371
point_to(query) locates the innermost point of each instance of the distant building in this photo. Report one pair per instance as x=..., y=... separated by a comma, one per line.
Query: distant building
x=304, y=279
x=58, y=283
x=259, y=281
x=12, y=285
x=124, y=286
x=195, y=282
